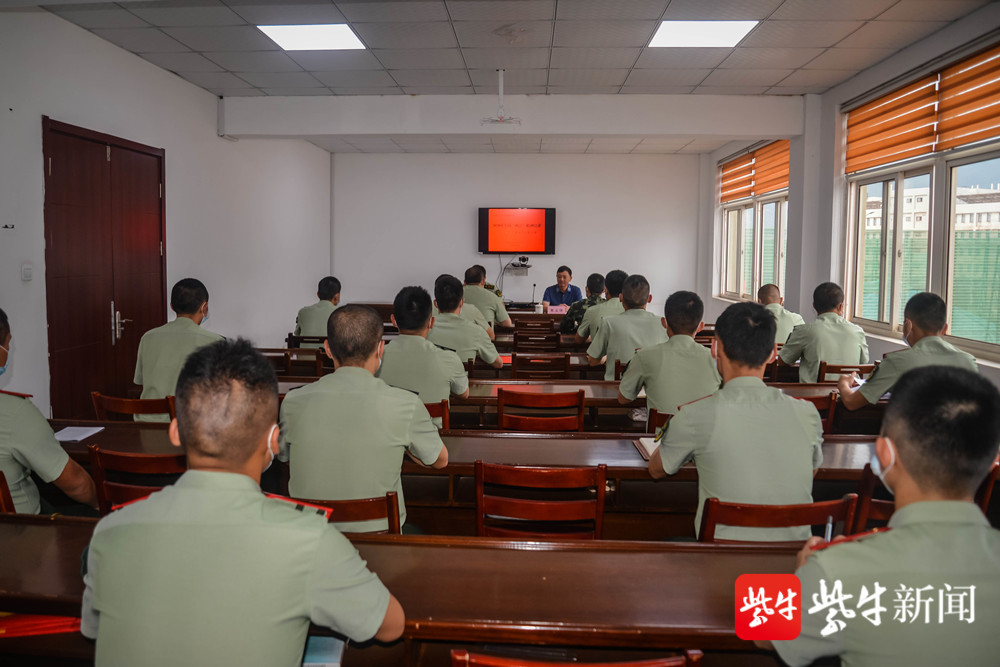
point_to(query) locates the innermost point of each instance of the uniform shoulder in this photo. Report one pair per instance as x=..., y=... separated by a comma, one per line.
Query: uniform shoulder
x=281, y=508
x=699, y=406
x=14, y=394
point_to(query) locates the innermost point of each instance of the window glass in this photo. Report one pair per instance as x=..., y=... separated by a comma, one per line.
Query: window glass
x=784, y=247
x=913, y=258
x=733, y=251
x=768, y=221
x=869, y=250
x=746, y=286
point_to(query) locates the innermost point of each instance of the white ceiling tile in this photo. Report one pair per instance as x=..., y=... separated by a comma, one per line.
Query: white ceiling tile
x=746, y=77
x=297, y=92
x=931, y=10
x=769, y=58
x=237, y=92
x=182, y=62
x=656, y=90
x=817, y=77
x=590, y=10
x=587, y=77
x=618, y=149
x=890, y=34
x=438, y=90
x=427, y=148
x=501, y=10
x=406, y=35
x=351, y=90
x=255, y=61
x=567, y=140
x=141, y=40
x=416, y=139
x=515, y=78
x=682, y=58
x=466, y=140
x=730, y=90
x=215, y=79
x=856, y=59
x=675, y=143
x=728, y=10
x=293, y=13
x=506, y=58
x=280, y=79
x=471, y=149
x=796, y=90
x=328, y=61
x=603, y=33
x=555, y=148
x=98, y=15
x=583, y=90
x=511, y=90
x=355, y=79
x=223, y=38
x=705, y=145
x=420, y=58
x=499, y=34
x=184, y=13
x=431, y=77
x=820, y=10
x=808, y=34
x=372, y=12
x=667, y=77
x=598, y=58
x=332, y=144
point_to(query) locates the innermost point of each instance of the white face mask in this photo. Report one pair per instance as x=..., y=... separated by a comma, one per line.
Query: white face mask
x=6, y=363
x=877, y=465
x=269, y=451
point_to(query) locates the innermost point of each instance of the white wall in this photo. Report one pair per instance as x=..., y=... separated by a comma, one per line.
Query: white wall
x=250, y=218
x=404, y=219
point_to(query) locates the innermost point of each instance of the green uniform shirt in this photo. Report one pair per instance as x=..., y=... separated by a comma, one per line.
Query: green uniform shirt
x=470, y=313
x=828, y=338
x=345, y=435
x=418, y=366
x=162, y=353
x=311, y=320
x=27, y=444
x=751, y=444
x=451, y=332
x=928, y=351
x=619, y=336
x=592, y=319
x=571, y=320
x=673, y=373
x=936, y=545
x=786, y=319
x=487, y=302
x=210, y=571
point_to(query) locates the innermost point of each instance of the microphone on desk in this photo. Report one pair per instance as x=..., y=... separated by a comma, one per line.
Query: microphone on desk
x=532, y=292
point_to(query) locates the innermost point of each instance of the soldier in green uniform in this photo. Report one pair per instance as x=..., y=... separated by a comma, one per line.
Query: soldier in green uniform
x=413, y=363
x=620, y=335
x=162, y=350
x=454, y=333
x=830, y=337
x=925, y=322
x=611, y=306
x=750, y=442
x=924, y=591
x=27, y=445
x=474, y=315
x=595, y=296
x=210, y=571
x=311, y=320
x=770, y=297
x=345, y=435
x=678, y=371
x=486, y=301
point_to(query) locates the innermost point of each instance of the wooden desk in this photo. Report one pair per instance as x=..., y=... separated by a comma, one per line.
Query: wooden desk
x=504, y=342
x=597, y=393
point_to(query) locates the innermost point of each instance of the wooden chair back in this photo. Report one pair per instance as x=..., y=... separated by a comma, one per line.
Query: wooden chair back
x=657, y=420
x=439, y=411
x=362, y=509
x=985, y=491
x=539, y=366
x=826, y=406
x=6, y=500
x=280, y=359
x=507, y=399
x=105, y=405
x=113, y=493
x=535, y=326
x=293, y=341
x=775, y=516
x=619, y=369
x=863, y=370
x=523, y=514
x=528, y=341
x=307, y=361
x=462, y=658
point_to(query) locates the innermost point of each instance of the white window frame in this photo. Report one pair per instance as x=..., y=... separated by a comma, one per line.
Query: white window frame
x=756, y=203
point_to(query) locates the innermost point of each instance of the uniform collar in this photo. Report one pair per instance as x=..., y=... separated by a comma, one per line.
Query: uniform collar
x=636, y=312
x=212, y=480
x=777, y=307
x=410, y=340
x=595, y=299
x=829, y=317
x=446, y=316
x=938, y=511
x=353, y=374
x=683, y=340
x=185, y=322
x=930, y=342
x=742, y=383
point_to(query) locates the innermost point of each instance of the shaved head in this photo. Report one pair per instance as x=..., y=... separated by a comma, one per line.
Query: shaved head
x=768, y=293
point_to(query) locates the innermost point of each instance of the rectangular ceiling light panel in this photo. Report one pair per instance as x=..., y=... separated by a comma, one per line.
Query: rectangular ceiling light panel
x=701, y=33
x=330, y=37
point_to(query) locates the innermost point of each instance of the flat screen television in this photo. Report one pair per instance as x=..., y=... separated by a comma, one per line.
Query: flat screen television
x=527, y=231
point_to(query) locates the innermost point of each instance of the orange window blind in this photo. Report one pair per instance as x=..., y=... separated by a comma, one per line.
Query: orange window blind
x=757, y=173
x=969, y=106
x=737, y=178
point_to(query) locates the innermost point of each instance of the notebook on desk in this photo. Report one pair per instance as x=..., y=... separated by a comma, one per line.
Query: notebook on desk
x=646, y=447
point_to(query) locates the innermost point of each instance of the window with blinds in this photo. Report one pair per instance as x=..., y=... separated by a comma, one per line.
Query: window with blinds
x=757, y=173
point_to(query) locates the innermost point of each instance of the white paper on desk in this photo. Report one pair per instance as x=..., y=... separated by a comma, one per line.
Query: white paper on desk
x=77, y=433
x=323, y=652
x=642, y=393
x=649, y=445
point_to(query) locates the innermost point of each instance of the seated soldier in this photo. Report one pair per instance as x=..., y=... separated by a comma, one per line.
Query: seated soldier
x=770, y=297
x=27, y=445
x=488, y=303
x=612, y=305
x=620, y=335
x=163, y=350
x=562, y=293
x=311, y=320
x=750, y=442
x=345, y=435
x=210, y=571
x=595, y=296
x=829, y=338
x=413, y=363
x=678, y=371
x=454, y=333
x=932, y=575
x=925, y=322
x=472, y=314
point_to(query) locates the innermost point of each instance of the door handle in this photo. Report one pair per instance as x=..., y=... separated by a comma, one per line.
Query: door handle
x=119, y=324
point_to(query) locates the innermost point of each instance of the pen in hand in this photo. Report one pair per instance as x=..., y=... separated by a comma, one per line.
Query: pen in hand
x=828, y=535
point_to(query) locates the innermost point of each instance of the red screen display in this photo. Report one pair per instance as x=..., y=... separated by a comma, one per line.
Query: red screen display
x=517, y=230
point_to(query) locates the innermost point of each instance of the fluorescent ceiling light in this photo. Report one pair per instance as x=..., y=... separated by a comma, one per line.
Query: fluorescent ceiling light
x=330, y=37
x=701, y=33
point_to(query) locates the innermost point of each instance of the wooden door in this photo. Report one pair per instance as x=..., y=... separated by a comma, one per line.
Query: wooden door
x=103, y=236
